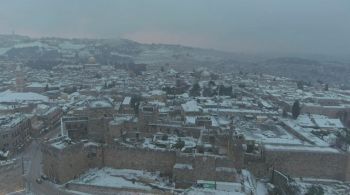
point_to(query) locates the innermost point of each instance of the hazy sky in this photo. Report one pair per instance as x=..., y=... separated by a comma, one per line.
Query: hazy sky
x=296, y=26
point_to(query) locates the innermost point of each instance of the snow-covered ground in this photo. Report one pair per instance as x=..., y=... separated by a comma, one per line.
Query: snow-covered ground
x=261, y=188
x=122, y=178
x=330, y=187
x=202, y=191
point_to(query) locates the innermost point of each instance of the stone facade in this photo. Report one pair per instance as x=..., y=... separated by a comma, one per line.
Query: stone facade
x=298, y=163
x=62, y=165
x=14, y=132
x=190, y=168
x=308, y=164
x=140, y=159
x=66, y=163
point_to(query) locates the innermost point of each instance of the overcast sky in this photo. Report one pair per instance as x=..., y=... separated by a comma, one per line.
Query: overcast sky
x=294, y=26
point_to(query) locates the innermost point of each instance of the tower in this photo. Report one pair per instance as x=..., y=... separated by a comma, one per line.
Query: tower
x=20, y=81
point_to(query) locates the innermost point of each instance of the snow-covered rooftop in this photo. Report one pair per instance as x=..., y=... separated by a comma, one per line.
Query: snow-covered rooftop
x=10, y=96
x=191, y=106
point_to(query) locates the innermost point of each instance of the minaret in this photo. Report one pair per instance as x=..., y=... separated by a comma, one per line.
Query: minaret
x=20, y=81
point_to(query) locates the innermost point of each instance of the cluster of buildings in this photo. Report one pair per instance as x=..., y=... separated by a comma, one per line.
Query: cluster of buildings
x=197, y=130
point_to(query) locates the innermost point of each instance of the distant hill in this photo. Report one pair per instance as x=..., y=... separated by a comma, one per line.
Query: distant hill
x=48, y=52
x=306, y=69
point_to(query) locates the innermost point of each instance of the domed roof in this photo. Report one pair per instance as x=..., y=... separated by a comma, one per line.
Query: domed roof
x=205, y=73
x=92, y=60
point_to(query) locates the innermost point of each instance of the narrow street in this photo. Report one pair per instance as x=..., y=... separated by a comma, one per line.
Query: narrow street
x=32, y=167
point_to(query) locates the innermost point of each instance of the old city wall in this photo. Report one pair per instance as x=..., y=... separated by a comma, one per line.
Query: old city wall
x=307, y=164
x=121, y=157
x=205, y=167
x=202, y=167
x=347, y=170
x=68, y=163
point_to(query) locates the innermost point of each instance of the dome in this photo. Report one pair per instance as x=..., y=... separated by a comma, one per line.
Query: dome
x=92, y=60
x=205, y=73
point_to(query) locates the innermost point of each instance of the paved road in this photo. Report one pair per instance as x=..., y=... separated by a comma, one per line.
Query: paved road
x=33, y=169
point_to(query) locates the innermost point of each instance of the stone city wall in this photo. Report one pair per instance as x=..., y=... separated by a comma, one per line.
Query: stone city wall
x=121, y=157
x=62, y=165
x=308, y=164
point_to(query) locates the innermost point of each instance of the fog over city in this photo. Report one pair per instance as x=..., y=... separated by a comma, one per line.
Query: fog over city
x=272, y=26
x=181, y=97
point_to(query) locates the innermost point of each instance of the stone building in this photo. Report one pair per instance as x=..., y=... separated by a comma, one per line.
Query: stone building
x=14, y=132
x=121, y=126
x=147, y=114
x=51, y=117
x=75, y=127
x=100, y=107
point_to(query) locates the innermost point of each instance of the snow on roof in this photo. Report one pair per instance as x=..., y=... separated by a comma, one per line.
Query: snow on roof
x=157, y=92
x=320, y=121
x=10, y=96
x=59, y=145
x=88, y=144
x=190, y=120
x=305, y=121
x=300, y=148
x=183, y=166
x=191, y=106
x=276, y=135
x=305, y=133
x=325, y=122
x=206, y=191
x=36, y=84
x=240, y=111
x=11, y=120
x=126, y=101
x=225, y=169
x=157, y=103
x=120, y=119
x=221, y=188
x=100, y=104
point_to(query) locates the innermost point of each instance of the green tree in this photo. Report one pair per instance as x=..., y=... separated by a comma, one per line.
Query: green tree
x=284, y=113
x=164, y=137
x=195, y=90
x=300, y=85
x=179, y=144
x=207, y=92
x=135, y=103
x=296, y=109
x=326, y=87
